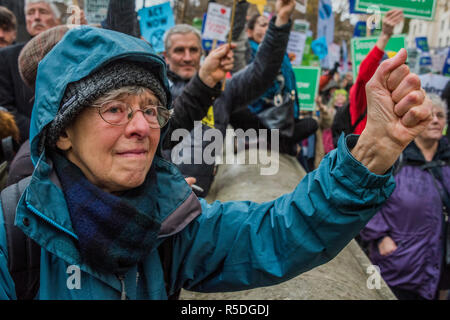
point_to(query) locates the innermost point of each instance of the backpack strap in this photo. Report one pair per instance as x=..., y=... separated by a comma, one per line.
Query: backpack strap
x=23, y=253
x=165, y=254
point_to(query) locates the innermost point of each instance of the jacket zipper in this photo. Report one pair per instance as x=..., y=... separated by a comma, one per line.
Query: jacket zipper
x=122, y=284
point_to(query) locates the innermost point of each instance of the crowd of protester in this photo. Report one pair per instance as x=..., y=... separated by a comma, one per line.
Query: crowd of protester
x=47, y=129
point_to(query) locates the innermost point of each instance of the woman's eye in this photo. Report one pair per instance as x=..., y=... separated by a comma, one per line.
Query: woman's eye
x=149, y=112
x=114, y=109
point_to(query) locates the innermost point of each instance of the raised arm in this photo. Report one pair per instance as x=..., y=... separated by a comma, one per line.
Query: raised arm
x=251, y=82
x=398, y=111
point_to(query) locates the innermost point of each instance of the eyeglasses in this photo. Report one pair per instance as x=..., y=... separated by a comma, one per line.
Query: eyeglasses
x=119, y=113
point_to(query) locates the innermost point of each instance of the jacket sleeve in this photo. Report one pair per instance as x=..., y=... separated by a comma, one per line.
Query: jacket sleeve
x=121, y=17
x=7, y=288
x=250, y=83
x=358, y=102
x=192, y=105
x=242, y=245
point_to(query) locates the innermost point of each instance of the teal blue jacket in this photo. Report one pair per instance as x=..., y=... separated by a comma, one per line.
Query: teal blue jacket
x=216, y=247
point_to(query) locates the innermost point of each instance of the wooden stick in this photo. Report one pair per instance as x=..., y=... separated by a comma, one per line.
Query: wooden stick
x=230, y=37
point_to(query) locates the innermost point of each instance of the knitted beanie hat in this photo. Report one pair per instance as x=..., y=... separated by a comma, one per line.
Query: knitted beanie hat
x=85, y=92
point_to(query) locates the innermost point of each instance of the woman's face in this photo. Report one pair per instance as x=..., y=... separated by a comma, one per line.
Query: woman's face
x=114, y=158
x=436, y=126
x=340, y=100
x=259, y=31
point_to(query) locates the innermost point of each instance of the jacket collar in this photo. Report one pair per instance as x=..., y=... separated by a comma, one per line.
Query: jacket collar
x=43, y=215
x=412, y=153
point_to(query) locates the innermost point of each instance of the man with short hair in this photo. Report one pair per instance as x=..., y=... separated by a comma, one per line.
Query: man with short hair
x=8, y=27
x=15, y=96
x=183, y=51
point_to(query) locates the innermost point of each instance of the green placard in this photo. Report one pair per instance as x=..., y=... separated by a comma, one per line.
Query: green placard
x=361, y=47
x=307, y=80
x=419, y=9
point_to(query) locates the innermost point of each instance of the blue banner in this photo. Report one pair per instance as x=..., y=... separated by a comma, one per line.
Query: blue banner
x=320, y=47
x=360, y=29
x=352, y=9
x=422, y=44
x=446, y=70
x=154, y=22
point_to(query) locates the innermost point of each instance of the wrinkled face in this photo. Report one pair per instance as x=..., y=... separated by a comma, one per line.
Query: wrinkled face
x=436, y=126
x=114, y=158
x=183, y=56
x=260, y=29
x=40, y=17
x=7, y=37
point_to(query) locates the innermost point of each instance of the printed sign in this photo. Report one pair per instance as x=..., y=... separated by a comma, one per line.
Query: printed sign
x=361, y=47
x=446, y=70
x=307, y=80
x=433, y=83
x=419, y=9
x=96, y=10
x=217, y=23
x=297, y=39
x=154, y=22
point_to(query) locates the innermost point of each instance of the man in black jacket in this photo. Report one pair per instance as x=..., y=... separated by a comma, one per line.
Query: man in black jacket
x=15, y=96
x=183, y=53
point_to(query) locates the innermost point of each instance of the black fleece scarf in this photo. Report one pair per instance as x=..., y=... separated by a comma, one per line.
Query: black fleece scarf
x=114, y=232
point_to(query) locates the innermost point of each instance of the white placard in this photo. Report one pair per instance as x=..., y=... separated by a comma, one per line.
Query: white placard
x=217, y=23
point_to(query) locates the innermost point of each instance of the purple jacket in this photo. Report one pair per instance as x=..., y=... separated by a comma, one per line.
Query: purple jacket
x=413, y=218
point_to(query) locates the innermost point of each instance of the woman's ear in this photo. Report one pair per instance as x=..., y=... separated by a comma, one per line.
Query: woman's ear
x=64, y=143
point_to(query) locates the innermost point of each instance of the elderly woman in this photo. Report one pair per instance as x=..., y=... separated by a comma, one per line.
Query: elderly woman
x=407, y=237
x=101, y=202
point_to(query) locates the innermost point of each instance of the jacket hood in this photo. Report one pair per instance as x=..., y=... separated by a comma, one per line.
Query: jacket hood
x=82, y=51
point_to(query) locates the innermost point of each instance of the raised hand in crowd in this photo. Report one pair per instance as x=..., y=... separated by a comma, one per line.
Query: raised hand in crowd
x=217, y=64
x=284, y=10
x=398, y=111
x=390, y=21
x=77, y=17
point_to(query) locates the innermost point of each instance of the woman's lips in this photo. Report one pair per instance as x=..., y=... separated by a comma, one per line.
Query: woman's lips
x=133, y=153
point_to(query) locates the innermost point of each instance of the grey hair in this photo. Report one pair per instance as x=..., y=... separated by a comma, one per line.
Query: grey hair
x=56, y=12
x=180, y=29
x=117, y=93
x=437, y=101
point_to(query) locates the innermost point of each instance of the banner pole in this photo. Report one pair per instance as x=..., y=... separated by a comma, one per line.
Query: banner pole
x=230, y=37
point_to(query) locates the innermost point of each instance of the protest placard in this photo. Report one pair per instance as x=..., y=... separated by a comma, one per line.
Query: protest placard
x=154, y=22
x=297, y=39
x=419, y=9
x=307, y=80
x=217, y=23
x=446, y=70
x=95, y=10
x=360, y=48
x=433, y=83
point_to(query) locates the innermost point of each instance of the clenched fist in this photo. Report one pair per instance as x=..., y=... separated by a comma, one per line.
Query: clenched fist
x=397, y=111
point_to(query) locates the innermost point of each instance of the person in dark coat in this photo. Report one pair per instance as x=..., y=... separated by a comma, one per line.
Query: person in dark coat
x=406, y=237
x=8, y=27
x=15, y=96
x=183, y=54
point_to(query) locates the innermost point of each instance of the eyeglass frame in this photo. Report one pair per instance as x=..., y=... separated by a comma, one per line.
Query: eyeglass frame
x=131, y=114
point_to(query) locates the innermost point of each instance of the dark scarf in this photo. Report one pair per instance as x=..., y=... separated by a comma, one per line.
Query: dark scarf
x=114, y=232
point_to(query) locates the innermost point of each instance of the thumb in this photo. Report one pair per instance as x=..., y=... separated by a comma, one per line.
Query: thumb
x=384, y=70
